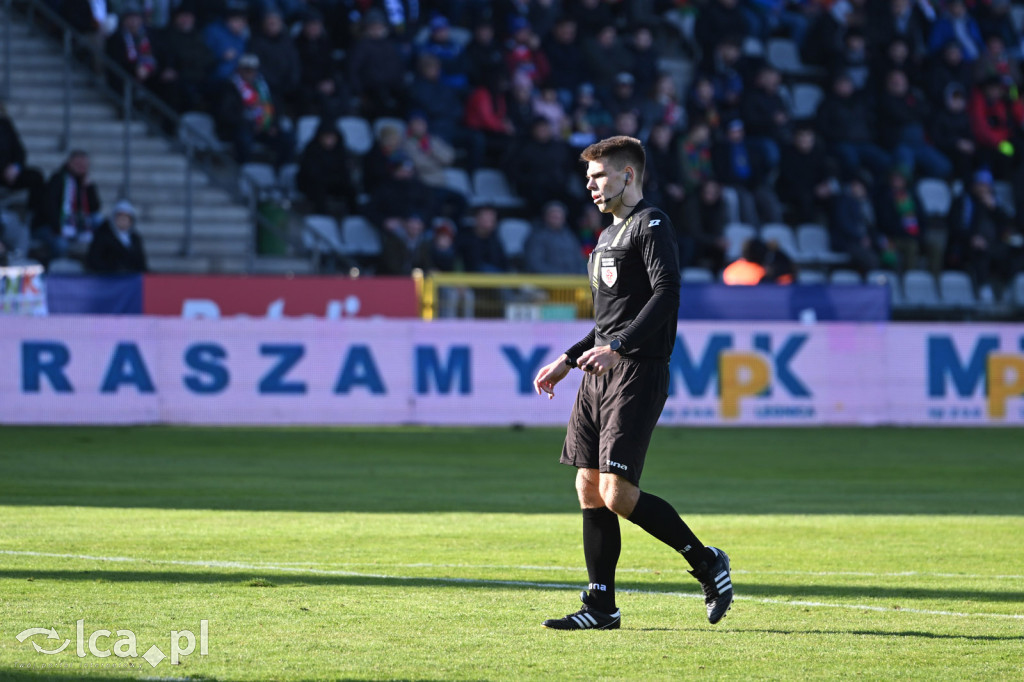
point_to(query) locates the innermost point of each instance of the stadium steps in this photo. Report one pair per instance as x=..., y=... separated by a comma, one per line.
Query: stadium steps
x=221, y=226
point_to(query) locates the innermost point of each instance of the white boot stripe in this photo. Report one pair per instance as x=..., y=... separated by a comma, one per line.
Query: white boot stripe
x=593, y=621
x=580, y=622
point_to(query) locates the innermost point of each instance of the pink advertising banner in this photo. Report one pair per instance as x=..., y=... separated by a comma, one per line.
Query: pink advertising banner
x=123, y=370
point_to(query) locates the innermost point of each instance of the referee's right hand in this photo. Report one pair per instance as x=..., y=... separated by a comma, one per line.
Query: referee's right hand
x=549, y=375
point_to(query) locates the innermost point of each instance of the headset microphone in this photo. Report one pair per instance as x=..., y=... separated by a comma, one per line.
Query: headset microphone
x=629, y=176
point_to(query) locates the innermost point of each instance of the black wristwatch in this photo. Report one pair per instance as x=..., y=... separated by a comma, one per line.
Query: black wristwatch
x=616, y=345
x=569, y=362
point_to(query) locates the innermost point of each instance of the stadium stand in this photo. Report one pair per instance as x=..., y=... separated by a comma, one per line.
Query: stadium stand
x=513, y=233
x=783, y=236
x=956, y=290
x=811, y=277
x=735, y=235
x=919, y=289
x=697, y=275
x=845, y=277
x=813, y=242
x=713, y=85
x=357, y=133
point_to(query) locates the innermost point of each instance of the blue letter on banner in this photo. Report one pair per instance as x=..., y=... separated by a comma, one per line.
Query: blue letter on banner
x=428, y=364
x=943, y=360
x=697, y=378
x=359, y=370
x=288, y=356
x=127, y=367
x=213, y=377
x=48, y=358
x=525, y=367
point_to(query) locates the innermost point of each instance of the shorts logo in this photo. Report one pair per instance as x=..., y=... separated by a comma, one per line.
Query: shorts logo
x=610, y=275
x=619, y=466
x=655, y=223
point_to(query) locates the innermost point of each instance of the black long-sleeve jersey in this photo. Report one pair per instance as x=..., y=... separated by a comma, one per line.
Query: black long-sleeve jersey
x=634, y=279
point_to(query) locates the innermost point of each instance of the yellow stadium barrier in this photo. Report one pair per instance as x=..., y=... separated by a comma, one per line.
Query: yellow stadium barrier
x=503, y=296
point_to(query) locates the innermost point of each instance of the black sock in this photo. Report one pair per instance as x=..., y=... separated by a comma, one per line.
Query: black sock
x=602, y=543
x=657, y=517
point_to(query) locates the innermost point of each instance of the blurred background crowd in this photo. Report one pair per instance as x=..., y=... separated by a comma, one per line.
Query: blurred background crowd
x=891, y=127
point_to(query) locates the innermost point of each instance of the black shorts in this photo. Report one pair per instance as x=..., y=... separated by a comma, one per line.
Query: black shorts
x=614, y=416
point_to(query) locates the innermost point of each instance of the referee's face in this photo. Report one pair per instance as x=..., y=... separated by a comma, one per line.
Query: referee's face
x=605, y=185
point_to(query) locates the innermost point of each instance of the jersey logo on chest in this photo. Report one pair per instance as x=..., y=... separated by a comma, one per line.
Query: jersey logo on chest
x=609, y=273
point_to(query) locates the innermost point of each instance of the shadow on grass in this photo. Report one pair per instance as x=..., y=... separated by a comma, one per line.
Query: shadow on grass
x=416, y=470
x=270, y=578
x=907, y=634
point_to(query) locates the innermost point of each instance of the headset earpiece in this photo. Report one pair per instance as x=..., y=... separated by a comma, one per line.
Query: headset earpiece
x=629, y=176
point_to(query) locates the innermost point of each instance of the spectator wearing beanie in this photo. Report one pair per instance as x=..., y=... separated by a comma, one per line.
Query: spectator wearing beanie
x=116, y=247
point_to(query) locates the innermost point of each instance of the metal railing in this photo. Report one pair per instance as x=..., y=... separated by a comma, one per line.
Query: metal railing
x=135, y=102
x=511, y=296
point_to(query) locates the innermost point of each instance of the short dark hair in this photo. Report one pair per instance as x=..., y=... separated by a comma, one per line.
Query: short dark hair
x=619, y=151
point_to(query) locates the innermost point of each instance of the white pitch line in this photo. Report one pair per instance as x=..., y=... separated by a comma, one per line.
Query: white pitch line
x=498, y=583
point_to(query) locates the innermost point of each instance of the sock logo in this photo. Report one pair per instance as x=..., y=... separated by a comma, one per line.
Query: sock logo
x=597, y=586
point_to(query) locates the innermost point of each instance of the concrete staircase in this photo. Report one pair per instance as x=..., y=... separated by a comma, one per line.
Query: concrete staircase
x=221, y=225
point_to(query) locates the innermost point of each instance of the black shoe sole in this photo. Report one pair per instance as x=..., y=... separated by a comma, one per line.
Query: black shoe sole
x=610, y=626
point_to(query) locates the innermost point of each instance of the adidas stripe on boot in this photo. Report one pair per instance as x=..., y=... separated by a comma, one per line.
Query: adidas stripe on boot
x=716, y=581
x=587, y=618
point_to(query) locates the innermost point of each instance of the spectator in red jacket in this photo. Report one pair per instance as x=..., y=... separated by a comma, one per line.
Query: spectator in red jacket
x=486, y=117
x=997, y=115
x=523, y=53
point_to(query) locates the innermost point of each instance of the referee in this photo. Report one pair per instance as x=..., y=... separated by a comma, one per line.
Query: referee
x=634, y=279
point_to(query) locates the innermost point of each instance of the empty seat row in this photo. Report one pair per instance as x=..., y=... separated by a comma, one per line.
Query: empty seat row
x=355, y=236
x=808, y=244
x=699, y=275
x=951, y=290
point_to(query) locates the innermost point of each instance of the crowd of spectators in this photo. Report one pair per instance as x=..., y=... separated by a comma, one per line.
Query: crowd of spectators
x=911, y=89
x=63, y=215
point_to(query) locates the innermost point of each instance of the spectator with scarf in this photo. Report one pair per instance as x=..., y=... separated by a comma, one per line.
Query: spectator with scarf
x=695, y=156
x=900, y=218
x=72, y=210
x=248, y=114
x=131, y=48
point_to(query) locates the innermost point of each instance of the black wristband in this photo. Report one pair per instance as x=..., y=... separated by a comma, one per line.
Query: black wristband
x=569, y=362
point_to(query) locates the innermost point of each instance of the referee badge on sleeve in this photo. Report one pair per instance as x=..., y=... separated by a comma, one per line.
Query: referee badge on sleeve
x=609, y=273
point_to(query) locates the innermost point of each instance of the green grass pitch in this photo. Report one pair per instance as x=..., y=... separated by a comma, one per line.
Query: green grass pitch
x=425, y=553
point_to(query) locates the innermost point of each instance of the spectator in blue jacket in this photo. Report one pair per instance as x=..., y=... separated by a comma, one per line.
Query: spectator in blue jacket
x=437, y=99
x=227, y=39
x=956, y=24
x=439, y=43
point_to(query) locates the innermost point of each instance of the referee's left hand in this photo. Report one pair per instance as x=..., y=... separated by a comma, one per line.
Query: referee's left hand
x=598, y=360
